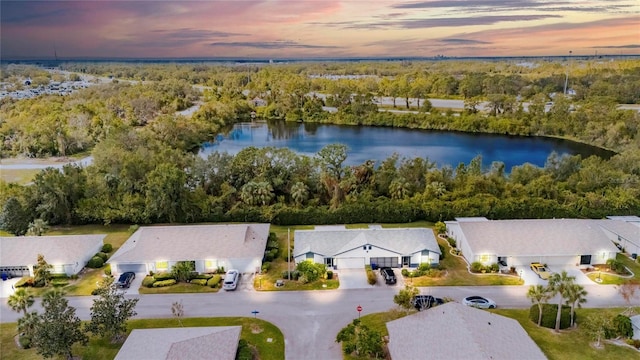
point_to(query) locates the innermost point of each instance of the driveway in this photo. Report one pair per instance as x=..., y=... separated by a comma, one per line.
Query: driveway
x=6, y=287
x=581, y=278
x=352, y=279
x=529, y=277
x=135, y=284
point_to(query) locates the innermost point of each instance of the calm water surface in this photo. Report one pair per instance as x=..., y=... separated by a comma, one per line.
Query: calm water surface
x=378, y=143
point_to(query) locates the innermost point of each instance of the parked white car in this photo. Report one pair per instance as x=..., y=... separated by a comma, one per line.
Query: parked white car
x=479, y=302
x=231, y=279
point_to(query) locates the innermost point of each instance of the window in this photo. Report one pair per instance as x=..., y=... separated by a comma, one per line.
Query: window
x=585, y=260
x=328, y=261
x=162, y=265
x=309, y=256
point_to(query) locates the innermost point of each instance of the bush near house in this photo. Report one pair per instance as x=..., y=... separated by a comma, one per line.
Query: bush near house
x=164, y=283
x=476, y=267
x=102, y=255
x=549, y=313
x=372, y=279
x=24, y=282
x=214, y=281
x=107, y=248
x=96, y=262
x=201, y=282
x=163, y=276
x=148, y=281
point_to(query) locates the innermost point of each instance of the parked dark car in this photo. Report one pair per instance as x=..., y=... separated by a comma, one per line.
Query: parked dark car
x=124, y=281
x=388, y=275
x=425, y=302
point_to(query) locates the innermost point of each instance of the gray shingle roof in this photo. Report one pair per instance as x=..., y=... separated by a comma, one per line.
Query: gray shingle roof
x=194, y=242
x=334, y=242
x=194, y=343
x=556, y=237
x=624, y=229
x=62, y=249
x=455, y=331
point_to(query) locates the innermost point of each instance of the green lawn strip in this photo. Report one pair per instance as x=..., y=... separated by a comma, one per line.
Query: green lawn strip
x=254, y=331
x=179, y=288
x=632, y=265
x=571, y=344
x=266, y=281
x=606, y=279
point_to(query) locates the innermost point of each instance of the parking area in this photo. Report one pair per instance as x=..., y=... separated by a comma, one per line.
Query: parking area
x=135, y=284
x=531, y=278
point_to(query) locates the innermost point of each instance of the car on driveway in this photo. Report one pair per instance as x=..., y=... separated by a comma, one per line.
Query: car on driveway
x=125, y=279
x=388, y=275
x=425, y=302
x=479, y=302
x=231, y=279
x=540, y=270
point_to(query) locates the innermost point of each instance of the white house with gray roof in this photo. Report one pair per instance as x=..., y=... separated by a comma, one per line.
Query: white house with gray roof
x=343, y=248
x=210, y=247
x=193, y=343
x=68, y=254
x=555, y=242
x=456, y=331
x=625, y=232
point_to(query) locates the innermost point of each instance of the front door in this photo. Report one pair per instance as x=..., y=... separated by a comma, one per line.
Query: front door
x=406, y=261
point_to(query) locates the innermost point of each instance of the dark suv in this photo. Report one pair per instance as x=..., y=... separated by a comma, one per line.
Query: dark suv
x=388, y=275
x=124, y=281
x=425, y=301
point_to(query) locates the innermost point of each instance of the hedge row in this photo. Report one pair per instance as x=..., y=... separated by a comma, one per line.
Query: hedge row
x=164, y=283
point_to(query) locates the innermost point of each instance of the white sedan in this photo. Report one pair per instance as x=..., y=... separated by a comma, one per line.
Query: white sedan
x=479, y=302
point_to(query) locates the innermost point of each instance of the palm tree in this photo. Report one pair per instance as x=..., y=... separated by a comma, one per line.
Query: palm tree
x=399, y=188
x=247, y=193
x=538, y=294
x=559, y=285
x=21, y=300
x=299, y=193
x=576, y=296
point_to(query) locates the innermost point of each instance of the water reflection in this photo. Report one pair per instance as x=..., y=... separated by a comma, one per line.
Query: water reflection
x=378, y=143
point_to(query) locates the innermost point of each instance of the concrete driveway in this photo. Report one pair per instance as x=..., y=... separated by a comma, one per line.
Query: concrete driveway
x=135, y=284
x=6, y=287
x=352, y=279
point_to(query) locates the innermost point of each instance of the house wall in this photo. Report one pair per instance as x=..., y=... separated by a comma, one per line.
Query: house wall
x=368, y=253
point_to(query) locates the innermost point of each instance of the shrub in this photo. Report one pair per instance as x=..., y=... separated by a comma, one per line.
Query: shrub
x=59, y=282
x=244, y=350
x=270, y=255
x=329, y=275
x=163, y=276
x=452, y=242
x=220, y=270
x=95, y=291
x=266, y=266
x=103, y=256
x=616, y=266
x=201, y=282
x=372, y=279
x=201, y=276
x=133, y=228
x=295, y=274
x=214, y=281
x=96, y=262
x=405, y=272
x=494, y=267
x=622, y=326
x=476, y=267
x=443, y=253
x=107, y=270
x=424, y=267
x=549, y=312
x=164, y=283
x=25, y=342
x=107, y=248
x=148, y=281
x=634, y=342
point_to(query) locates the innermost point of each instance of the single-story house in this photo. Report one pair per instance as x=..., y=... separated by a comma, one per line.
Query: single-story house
x=555, y=242
x=624, y=231
x=209, y=247
x=207, y=342
x=342, y=248
x=68, y=254
x=635, y=323
x=456, y=331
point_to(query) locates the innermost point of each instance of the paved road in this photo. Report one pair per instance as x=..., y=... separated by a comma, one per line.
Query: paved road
x=310, y=320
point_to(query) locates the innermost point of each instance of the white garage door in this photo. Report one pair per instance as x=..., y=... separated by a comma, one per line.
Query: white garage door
x=350, y=263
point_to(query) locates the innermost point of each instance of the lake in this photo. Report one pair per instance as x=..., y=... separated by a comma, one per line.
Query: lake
x=378, y=143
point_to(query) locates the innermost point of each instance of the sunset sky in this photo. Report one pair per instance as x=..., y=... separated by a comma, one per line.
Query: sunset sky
x=275, y=29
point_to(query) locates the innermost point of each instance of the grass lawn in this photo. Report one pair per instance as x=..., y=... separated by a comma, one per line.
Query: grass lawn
x=19, y=176
x=255, y=331
x=612, y=279
x=266, y=281
x=458, y=275
x=571, y=344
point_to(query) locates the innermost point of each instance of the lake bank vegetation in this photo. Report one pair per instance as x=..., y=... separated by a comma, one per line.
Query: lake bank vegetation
x=145, y=167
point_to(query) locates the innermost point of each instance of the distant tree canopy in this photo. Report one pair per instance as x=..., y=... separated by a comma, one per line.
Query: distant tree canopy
x=145, y=170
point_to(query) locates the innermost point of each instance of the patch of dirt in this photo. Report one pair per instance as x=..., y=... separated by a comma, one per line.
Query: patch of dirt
x=256, y=329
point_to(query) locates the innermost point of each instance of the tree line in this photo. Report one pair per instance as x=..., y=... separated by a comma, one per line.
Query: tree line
x=145, y=168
